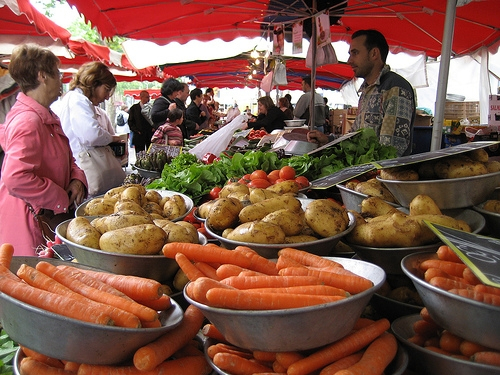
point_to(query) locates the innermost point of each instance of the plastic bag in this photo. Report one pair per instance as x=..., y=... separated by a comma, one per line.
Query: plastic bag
x=267, y=82
x=218, y=141
x=324, y=55
x=279, y=76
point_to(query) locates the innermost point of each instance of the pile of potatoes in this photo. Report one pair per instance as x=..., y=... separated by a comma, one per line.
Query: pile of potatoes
x=373, y=188
x=272, y=216
x=132, y=220
x=381, y=225
x=472, y=163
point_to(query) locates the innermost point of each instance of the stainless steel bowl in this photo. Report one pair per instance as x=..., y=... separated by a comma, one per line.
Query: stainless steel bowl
x=146, y=173
x=469, y=319
x=432, y=363
x=352, y=199
x=295, y=329
x=80, y=210
x=294, y=123
x=70, y=339
x=156, y=267
x=322, y=246
x=492, y=220
x=447, y=193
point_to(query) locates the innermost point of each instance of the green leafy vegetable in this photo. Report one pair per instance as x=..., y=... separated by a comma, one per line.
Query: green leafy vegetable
x=8, y=349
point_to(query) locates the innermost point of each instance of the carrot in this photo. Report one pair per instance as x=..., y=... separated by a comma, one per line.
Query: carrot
x=469, y=276
x=212, y=350
x=250, y=282
x=447, y=284
x=308, y=259
x=284, y=262
x=436, y=272
x=5, y=272
x=347, y=345
x=30, y=366
x=142, y=312
x=419, y=340
x=262, y=356
x=198, y=289
x=159, y=304
x=432, y=341
x=425, y=328
x=151, y=355
x=247, y=300
x=350, y=283
x=285, y=359
x=342, y=364
x=257, y=262
x=71, y=366
x=487, y=289
x=468, y=348
x=191, y=349
x=190, y=270
x=135, y=287
x=450, y=342
x=277, y=367
x=58, y=304
x=451, y=268
x=425, y=315
x=237, y=365
x=490, y=299
x=40, y=280
x=444, y=252
x=324, y=290
x=209, y=330
x=151, y=324
x=6, y=254
x=207, y=270
x=438, y=350
x=487, y=357
x=227, y=270
x=362, y=323
x=252, y=273
x=49, y=361
x=201, y=253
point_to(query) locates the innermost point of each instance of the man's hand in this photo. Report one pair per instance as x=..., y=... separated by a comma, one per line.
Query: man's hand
x=76, y=192
x=318, y=137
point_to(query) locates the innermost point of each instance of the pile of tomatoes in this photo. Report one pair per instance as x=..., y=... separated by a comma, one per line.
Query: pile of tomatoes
x=260, y=179
x=256, y=134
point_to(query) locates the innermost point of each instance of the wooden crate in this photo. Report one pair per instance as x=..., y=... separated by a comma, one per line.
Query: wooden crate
x=461, y=110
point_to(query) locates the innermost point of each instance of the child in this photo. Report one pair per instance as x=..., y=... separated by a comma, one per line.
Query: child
x=170, y=133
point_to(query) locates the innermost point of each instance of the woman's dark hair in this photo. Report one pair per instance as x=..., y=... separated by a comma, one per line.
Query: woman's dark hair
x=90, y=76
x=283, y=102
x=266, y=101
x=170, y=86
x=27, y=60
x=174, y=114
x=195, y=93
x=374, y=39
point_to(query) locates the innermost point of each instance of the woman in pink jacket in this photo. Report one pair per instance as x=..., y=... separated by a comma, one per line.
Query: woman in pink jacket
x=39, y=168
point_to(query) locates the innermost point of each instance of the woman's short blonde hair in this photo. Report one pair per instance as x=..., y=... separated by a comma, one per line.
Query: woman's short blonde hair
x=90, y=76
x=266, y=101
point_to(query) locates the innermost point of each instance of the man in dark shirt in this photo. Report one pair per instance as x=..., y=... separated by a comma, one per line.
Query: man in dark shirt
x=139, y=124
x=188, y=127
x=193, y=111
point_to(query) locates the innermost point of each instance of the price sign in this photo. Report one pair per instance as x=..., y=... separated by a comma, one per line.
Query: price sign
x=480, y=253
x=341, y=176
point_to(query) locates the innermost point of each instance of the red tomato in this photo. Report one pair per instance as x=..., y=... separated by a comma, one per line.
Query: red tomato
x=302, y=181
x=287, y=173
x=273, y=176
x=279, y=180
x=259, y=174
x=259, y=183
x=214, y=193
x=190, y=217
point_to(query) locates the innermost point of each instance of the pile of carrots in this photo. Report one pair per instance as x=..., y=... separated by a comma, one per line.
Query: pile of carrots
x=242, y=279
x=430, y=335
x=448, y=272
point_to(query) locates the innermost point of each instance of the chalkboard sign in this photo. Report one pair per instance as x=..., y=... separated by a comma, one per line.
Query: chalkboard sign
x=341, y=176
x=334, y=142
x=480, y=253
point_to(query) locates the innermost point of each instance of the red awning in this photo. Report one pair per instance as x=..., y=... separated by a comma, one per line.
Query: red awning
x=153, y=93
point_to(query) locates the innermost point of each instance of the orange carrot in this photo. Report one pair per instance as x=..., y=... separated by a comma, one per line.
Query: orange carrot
x=285, y=359
x=40, y=280
x=469, y=276
x=447, y=284
x=209, y=330
x=362, y=323
x=133, y=286
x=151, y=355
x=342, y=364
x=237, y=365
x=159, y=304
x=308, y=259
x=191, y=349
x=71, y=366
x=220, y=347
x=425, y=315
x=257, y=262
x=350, y=283
x=324, y=290
x=49, y=361
x=262, y=356
x=198, y=289
x=284, y=262
x=468, y=348
x=58, y=304
x=436, y=272
x=450, y=342
x=250, y=282
x=30, y=366
x=277, y=367
x=5, y=272
x=227, y=270
x=419, y=340
x=247, y=300
x=207, y=270
x=490, y=299
x=438, y=350
x=487, y=289
x=432, y=341
x=451, y=268
x=142, y=312
x=252, y=273
x=190, y=270
x=445, y=252
x=425, y=328
x=487, y=357
x=6, y=254
x=347, y=345
x=201, y=253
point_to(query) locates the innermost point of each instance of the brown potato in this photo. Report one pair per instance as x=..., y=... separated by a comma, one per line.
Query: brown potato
x=300, y=238
x=423, y=204
x=259, y=195
x=204, y=208
x=80, y=231
x=99, y=207
x=144, y=239
x=458, y=167
x=153, y=196
x=479, y=155
x=426, y=170
x=181, y=231
x=492, y=205
x=153, y=207
x=288, y=186
x=374, y=206
x=223, y=213
x=257, y=232
x=174, y=207
x=134, y=194
x=326, y=217
x=233, y=187
x=258, y=210
x=492, y=166
x=290, y=222
x=399, y=174
x=115, y=221
x=129, y=207
x=375, y=188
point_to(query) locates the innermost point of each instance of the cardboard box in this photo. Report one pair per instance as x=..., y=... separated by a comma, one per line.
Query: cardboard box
x=423, y=120
x=494, y=110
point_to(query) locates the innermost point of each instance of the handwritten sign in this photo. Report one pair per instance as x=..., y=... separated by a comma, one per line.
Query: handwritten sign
x=334, y=142
x=341, y=176
x=480, y=253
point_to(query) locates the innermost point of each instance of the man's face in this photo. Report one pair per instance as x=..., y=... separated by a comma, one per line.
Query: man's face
x=144, y=98
x=359, y=58
x=305, y=86
x=184, y=94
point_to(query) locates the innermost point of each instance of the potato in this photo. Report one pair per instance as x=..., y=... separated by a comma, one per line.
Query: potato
x=259, y=195
x=233, y=187
x=300, y=238
x=258, y=210
x=399, y=174
x=153, y=207
x=375, y=188
x=181, y=231
x=223, y=213
x=240, y=195
x=290, y=222
x=492, y=205
x=153, y=196
x=144, y=239
x=351, y=184
x=374, y=206
x=115, y=221
x=204, y=208
x=423, y=204
x=288, y=186
x=492, y=166
x=129, y=207
x=458, y=167
x=326, y=217
x=428, y=236
x=174, y=207
x=180, y=280
x=80, y=231
x=115, y=192
x=99, y=207
x=426, y=170
x=257, y=232
x=133, y=194
x=479, y=155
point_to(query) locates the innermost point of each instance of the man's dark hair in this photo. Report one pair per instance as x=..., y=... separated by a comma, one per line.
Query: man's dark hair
x=170, y=86
x=374, y=39
x=307, y=79
x=195, y=93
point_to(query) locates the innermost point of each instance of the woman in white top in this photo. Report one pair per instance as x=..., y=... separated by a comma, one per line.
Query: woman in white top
x=89, y=128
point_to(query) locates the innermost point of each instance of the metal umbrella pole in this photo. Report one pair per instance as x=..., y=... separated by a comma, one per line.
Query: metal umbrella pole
x=314, y=48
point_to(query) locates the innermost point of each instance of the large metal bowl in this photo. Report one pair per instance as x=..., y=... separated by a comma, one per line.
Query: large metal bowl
x=492, y=220
x=156, y=267
x=80, y=210
x=295, y=329
x=352, y=199
x=322, y=246
x=295, y=123
x=431, y=363
x=447, y=193
x=74, y=340
x=145, y=173
x=467, y=318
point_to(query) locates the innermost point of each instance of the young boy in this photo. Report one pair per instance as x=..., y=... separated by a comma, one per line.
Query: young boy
x=170, y=133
